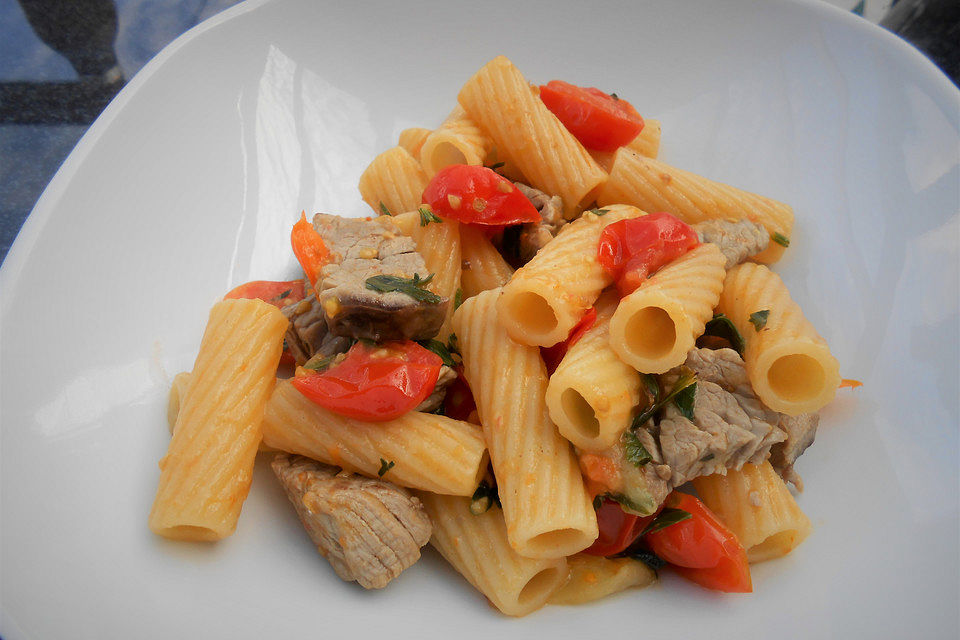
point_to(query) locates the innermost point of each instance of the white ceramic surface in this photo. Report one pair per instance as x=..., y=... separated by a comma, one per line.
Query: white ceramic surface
x=187, y=186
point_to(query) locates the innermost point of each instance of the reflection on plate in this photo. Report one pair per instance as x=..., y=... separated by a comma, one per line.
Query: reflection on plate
x=187, y=184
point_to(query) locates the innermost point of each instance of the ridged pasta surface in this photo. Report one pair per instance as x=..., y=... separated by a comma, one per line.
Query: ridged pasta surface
x=545, y=504
x=591, y=374
x=685, y=291
x=206, y=473
x=499, y=98
x=655, y=186
x=593, y=577
x=394, y=178
x=412, y=140
x=482, y=265
x=563, y=279
x=429, y=452
x=459, y=140
x=757, y=506
x=477, y=547
x=789, y=364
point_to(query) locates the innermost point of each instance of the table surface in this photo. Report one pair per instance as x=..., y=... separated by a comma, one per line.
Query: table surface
x=61, y=63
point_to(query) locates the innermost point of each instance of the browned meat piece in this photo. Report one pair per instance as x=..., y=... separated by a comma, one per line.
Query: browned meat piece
x=369, y=530
x=800, y=431
x=737, y=239
x=435, y=399
x=535, y=235
x=307, y=334
x=361, y=249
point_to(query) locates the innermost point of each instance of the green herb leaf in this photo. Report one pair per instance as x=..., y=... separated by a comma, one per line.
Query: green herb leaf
x=441, y=350
x=722, y=327
x=636, y=453
x=495, y=165
x=614, y=96
x=597, y=502
x=759, y=319
x=707, y=458
x=385, y=466
x=413, y=287
x=384, y=210
x=453, y=344
x=320, y=364
x=458, y=299
x=666, y=518
x=685, y=400
x=283, y=295
x=598, y=212
x=427, y=216
x=624, y=501
x=687, y=378
x=780, y=239
x=483, y=498
x=652, y=386
x=648, y=558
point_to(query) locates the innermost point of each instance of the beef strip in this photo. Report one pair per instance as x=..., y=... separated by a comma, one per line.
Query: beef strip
x=435, y=399
x=307, y=335
x=535, y=235
x=801, y=431
x=360, y=249
x=737, y=239
x=369, y=530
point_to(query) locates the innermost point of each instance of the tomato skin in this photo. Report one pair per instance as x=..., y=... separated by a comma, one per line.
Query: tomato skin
x=481, y=195
x=552, y=356
x=598, y=120
x=632, y=250
x=374, y=383
x=309, y=248
x=459, y=403
x=701, y=548
x=618, y=529
x=270, y=291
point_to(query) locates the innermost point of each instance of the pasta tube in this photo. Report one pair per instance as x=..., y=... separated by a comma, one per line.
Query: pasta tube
x=757, y=506
x=429, y=452
x=459, y=140
x=395, y=180
x=548, y=296
x=655, y=186
x=592, y=394
x=593, y=577
x=206, y=474
x=655, y=326
x=482, y=265
x=545, y=504
x=499, y=99
x=647, y=143
x=477, y=547
x=790, y=366
x=412, y=139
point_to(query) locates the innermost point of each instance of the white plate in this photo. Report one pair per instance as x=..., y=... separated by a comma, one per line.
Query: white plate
x=188, y=183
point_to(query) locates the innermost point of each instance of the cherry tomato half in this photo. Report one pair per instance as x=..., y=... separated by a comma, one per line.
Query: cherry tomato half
x=552, y=356
x=459, y=403
x=632, y=250
x=598, y=120
x=701, y=548
x=618, y=529
x=477, y=195
x=279, y=294
x=374, y=383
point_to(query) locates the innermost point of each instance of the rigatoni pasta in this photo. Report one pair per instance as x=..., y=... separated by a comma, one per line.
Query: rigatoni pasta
x=547, y=509
x=594, y=577
x=206, y=473
x=790, y=365
x=498, y=97
x=547, y=297
x=412, y=140
x=459, y=140
x=647, y=143
x=394, y=180
x=482, y=266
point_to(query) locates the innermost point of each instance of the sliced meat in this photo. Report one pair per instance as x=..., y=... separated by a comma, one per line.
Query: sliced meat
x=308, y=328
x=737, y=239
x=369, y=530
x=800, y=431
x=359, y=250
x=435, y=399
x=535, y=235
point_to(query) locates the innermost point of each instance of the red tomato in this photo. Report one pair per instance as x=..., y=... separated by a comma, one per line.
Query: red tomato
x=598, y=120
x=279, y=294
x=375, y=383
x=309, y=248
x=618, y=529
x=477, y=195
x=600, y=473
x=459, y=403
x=553, y=355
x=702, y=548
x=632, y=250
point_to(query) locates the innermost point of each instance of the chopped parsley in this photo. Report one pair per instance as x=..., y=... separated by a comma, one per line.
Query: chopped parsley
x=413, y=287
x=441, y=350
x=427, y=216
x=666, y=518
x=722, y=327
x=687, y=379
x=685, y=400
x=385, y=466
x=636, y=453
x=483, y=498
x=384, y=210
x=320, y=364
x=453, y=344
x=780, y=239
x=598, y=212
x=457, y=299
x=759, y=319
